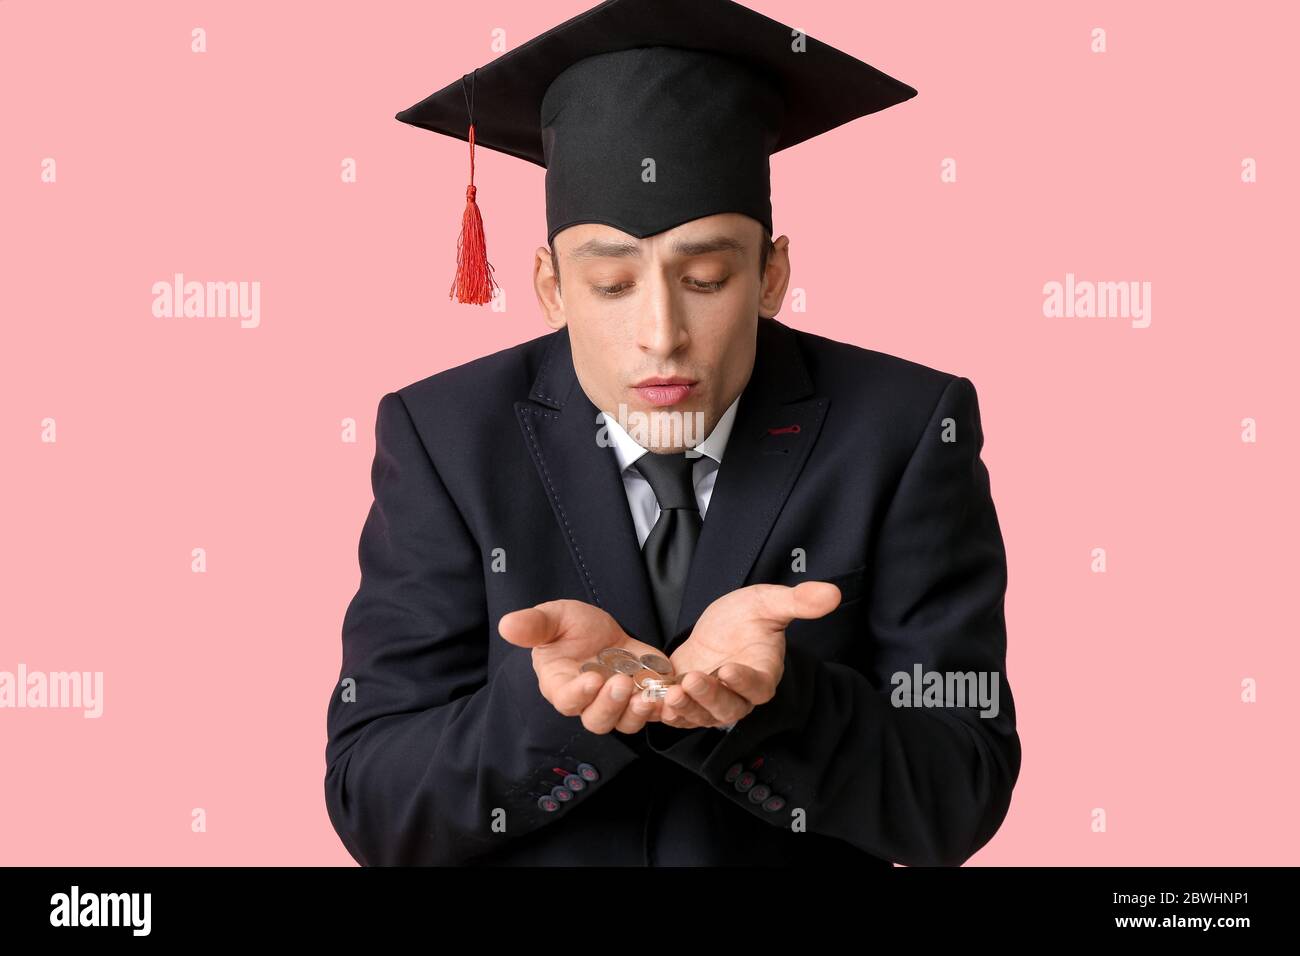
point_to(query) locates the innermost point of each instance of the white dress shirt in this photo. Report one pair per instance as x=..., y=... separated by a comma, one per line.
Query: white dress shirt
x=641, y=497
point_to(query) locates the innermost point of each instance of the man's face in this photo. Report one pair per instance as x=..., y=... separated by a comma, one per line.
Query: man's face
x=681, y=305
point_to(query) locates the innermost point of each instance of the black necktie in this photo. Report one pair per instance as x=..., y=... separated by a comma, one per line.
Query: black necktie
x=668, y=549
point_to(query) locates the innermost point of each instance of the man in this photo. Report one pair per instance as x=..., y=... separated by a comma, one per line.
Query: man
x=830, y=536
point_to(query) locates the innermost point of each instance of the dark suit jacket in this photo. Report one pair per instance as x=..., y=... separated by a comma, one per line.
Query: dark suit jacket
x=448, y=731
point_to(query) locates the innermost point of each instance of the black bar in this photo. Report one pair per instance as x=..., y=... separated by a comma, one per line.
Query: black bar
x=649, y=907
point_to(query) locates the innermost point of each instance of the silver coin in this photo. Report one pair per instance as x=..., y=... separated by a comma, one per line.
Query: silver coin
x=648, y=678
x=627, y=665
x=655, y=691
x=611, y=654
x=656, y=663
x=603, y=669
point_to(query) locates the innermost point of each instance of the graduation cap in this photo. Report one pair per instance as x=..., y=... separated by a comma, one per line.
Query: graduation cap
x=647, y=114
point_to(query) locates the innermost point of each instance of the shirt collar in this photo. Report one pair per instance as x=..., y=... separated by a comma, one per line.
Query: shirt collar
x=628, y=451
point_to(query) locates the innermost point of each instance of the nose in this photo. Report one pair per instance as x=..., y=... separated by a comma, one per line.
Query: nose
x=660, y=330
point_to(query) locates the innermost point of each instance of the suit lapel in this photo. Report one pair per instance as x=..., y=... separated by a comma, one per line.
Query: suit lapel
x=581, y=479
x=777, y=421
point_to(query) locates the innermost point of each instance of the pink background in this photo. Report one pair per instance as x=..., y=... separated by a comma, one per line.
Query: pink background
x=183, y=433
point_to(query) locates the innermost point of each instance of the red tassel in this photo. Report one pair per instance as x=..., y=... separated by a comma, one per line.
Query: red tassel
x=474, y=283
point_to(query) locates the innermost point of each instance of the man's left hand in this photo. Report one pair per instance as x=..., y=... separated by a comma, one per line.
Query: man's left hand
x=735, y=656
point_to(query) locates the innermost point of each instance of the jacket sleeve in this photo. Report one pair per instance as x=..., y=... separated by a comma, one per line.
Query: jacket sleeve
x=921, y=786
x=430, y=758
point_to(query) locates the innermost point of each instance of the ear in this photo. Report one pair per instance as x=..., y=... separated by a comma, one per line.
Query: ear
x=546, y=285
x=775, y=278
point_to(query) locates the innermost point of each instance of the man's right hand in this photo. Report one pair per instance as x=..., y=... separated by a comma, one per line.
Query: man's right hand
x=563, y=636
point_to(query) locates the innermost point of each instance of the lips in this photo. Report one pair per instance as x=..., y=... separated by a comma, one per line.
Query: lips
x=664, y=391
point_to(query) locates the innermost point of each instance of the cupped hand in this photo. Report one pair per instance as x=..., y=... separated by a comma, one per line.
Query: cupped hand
x=563, y=636
x=735, y=656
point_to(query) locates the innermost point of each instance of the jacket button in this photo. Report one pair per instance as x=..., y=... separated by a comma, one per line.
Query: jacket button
x=733, y=772
x=745, y=781
x=548, y=803
x=562, y=794
x=574, y=782
x=774, y=803
x=588, y=772
x=760, y=793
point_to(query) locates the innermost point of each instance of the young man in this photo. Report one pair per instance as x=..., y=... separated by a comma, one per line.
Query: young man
x=816, y=533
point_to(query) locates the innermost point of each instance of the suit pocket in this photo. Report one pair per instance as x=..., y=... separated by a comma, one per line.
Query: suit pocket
x=839, y=635
x=852, y=583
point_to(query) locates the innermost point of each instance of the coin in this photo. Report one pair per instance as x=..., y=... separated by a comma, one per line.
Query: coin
x=654, y=684
x=651, y=673
x=656, y=663
x=611, y=654
x=654, y=690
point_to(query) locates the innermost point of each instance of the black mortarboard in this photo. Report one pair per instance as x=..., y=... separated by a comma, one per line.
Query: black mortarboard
x=649, y=113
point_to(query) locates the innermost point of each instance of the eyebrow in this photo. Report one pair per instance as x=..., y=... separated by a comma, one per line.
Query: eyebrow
x=619, y=248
